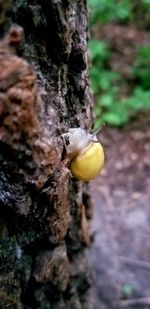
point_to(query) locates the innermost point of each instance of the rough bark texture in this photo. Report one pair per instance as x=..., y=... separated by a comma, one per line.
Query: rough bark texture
x=43, y=91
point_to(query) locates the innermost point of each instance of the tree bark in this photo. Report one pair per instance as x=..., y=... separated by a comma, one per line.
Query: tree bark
x=43, y=92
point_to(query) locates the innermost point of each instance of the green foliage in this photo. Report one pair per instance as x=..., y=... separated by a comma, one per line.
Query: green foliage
x=102, y=78
x=110, y=107
x=117, y=112
x=141, y=69
x=99, y=51
x=104, y=11
x=127, y=290
x=123, y=11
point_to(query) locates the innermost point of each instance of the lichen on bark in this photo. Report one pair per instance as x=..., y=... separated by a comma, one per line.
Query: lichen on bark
x=43, y=91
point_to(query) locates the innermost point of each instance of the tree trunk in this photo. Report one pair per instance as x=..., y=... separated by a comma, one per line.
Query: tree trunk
x=43, y=92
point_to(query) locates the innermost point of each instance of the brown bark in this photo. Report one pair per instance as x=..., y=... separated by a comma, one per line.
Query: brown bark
x=43, y=91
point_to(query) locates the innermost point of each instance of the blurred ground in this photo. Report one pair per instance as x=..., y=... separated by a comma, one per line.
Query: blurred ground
x=120, y=255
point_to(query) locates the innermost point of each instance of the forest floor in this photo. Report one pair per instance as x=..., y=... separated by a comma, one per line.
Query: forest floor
x=120, y=253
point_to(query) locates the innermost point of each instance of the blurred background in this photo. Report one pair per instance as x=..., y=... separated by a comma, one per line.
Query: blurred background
x=119, y=48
